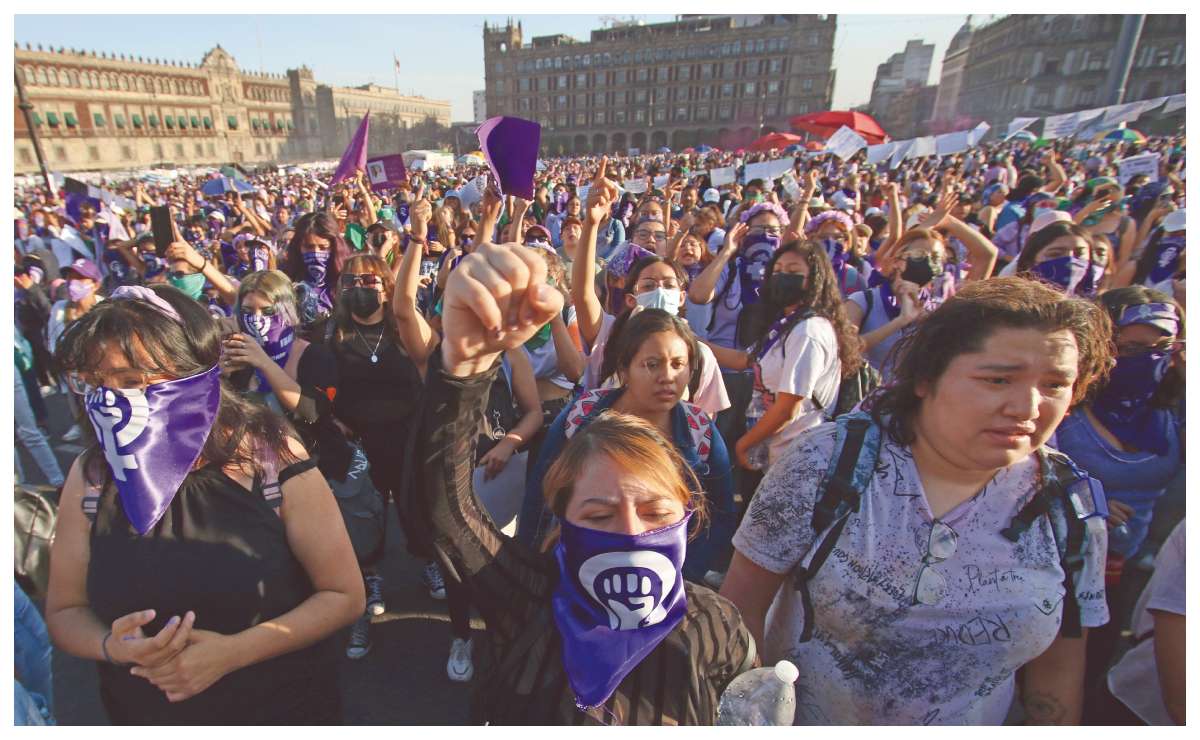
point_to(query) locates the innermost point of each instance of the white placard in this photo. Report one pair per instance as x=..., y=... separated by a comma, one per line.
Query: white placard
x=845, y=143
x=767, y=171
x=1174, y=103
x=791, y=187
x=472, y=192
x=952, y=143
x=661, y=181
x=1017, y=125
x=1127, y=112
x=975, y=135
x=582, y=192
x=636, y=187
x=876, y=153
x=1057, y=127
x=923, y=146
x=1142, y=164
x=900, y=152
x=722, y=176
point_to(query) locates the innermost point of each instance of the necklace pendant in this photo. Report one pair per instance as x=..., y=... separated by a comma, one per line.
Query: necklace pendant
x=374, y=358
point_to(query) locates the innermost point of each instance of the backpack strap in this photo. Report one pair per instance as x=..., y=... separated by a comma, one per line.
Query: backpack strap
x=856, y=450
x=1059, y=494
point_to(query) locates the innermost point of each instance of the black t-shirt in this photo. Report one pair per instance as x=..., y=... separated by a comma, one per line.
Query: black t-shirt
x=370, y=394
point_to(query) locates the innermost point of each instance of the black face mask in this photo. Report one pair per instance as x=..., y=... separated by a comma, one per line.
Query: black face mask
x=918, y=270
x=362, y=302
x=785, y=289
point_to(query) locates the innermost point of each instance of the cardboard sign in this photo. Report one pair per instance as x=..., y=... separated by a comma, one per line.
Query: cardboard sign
x=975, y=135
x=1142, y=164
x=1174, y=103
x=924, y=146
x=845, y=143
x=472, y=192
x=791, y=187
x=1017, y=125
x=767, y=171
x=1057, y=127
x=385, y=173
x=636, y=187
x=661, y=181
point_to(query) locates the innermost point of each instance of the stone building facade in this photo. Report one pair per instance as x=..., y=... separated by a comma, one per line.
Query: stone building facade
x=954, y=63
x=1043, y=65
x=102, y=112
x=718, y=80
x=903, y=72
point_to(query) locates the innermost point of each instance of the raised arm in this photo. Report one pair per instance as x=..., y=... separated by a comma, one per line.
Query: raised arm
x=416, y=334
x=588, y=311
x=704, y=287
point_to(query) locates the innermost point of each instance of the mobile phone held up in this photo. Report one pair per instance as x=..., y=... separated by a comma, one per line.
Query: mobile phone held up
x=163, y=228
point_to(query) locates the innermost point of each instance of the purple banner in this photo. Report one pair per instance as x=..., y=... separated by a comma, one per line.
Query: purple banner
x=385, y=173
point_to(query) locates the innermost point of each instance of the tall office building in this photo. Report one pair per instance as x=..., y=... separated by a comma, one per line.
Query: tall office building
x=104, y=111
x=720, y=80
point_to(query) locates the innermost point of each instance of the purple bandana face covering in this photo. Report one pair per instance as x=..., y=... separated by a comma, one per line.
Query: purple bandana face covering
x=1065, y=272
x=317, y=264
x=756, y=252
x=151, y=438
x=1091, y=281
x=1169, y=252
x=1123, y=404
x=618, y=597
x=273, y=334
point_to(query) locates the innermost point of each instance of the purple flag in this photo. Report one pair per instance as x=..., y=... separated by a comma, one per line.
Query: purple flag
x=510, y=146
x=151, y=438
x=355, y=156
x=384, y=173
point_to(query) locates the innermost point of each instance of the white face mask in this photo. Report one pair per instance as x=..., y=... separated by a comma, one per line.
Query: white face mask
x=667, y=300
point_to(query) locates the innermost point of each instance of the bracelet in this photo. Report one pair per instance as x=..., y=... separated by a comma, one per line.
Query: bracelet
x=104, y=649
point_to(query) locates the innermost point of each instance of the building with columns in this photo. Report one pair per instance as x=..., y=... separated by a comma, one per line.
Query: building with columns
x=718, y=80
x=101, y=112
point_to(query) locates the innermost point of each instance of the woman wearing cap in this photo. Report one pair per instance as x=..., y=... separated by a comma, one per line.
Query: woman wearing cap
x=200, y=561
x=912, y=588
x=604, y=629
x=913, y=281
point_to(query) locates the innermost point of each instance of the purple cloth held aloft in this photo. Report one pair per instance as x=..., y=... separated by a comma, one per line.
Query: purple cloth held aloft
x=510, y=146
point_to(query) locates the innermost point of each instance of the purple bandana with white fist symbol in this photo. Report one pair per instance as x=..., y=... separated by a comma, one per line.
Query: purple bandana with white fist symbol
x=274, y=334
x=151, y=438
x=618, y=597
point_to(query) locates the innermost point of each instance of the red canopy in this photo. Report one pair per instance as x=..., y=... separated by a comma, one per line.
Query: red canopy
x=775, y=141
x=827, y=123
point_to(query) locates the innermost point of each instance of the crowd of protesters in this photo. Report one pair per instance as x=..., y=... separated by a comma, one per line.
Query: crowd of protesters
x=912, y=422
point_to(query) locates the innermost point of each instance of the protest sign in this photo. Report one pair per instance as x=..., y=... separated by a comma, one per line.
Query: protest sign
x=1124, y=113
x=952, y=143
x=791, y=187
x=1174, y=103
x=975, y=135
x=923, y=146
x=661, y=181
x=722, y=176
x=845, y=143
x=876, y=153
x=386, y=172
x=636, y=187
x=767, y=171
x=900, y=152
x=1017, y=125
x=1142, y=164
x=472, y=192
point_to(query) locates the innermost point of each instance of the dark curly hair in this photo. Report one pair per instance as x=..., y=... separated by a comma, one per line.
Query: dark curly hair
x=963, y=323
x=821, y=295
x=155, y=343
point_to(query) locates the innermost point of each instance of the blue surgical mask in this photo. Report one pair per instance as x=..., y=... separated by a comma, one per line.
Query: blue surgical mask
x=668, y=299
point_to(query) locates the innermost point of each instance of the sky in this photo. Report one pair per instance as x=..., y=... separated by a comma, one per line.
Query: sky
x=440, y=56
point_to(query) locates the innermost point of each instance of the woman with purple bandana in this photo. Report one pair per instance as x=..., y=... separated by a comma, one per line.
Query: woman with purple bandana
x=199, y=558
x=314, y=262
x=602, y=628
x=1129, y=432
x=1061, y=254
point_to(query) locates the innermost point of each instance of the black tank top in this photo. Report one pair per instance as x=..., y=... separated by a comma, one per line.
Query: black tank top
x=222, y=552
x=374, y=395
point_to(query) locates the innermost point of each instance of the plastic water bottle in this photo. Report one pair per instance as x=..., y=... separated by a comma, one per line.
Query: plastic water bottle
x=756, y=455
x=761, y=697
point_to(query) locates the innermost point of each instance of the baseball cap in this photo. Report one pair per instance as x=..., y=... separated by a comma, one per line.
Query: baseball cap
x=1050, y=217
x=842, y=202
x=873, y=211
x=84, y=267
x=217, y=216
x=1175, y=220
x=712, y=195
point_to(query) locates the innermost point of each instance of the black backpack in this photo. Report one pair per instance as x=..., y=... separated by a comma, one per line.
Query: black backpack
x=855, y=454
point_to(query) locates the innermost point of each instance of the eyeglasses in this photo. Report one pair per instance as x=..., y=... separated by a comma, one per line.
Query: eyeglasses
x=771, y=230
x=657, y=236
x=366, y=281
x=646, y=285
x=931, y=585
x=124, y=379
x=1168, y=346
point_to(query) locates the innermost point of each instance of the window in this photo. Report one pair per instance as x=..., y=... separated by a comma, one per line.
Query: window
x=727, y=90
x=639, y=116
x=522, y=85
x=153, y=120
x=98, y=119
x=599, y=99
x=498, y=87
x=258, y=147
x=212, y=150
x=619, y=117
x=52, y=118
x=558, y=62
x=643, y=75
x=561, y=120
x=660, y=114
x=664, y=74
x=60, y=153
x=126, y=152
x=561, y=101
x=581, y=119
x=681, y=113
x=702, y=112
x=581, y=80
x=771, y=109
x=748, y=88
x=70, y=119
x=1051, y=67
x=93, y=154
x=705, y=92
x=25, y=155
x=196, y=122
x=232, y=121
x=182, y=122
x=639, y=96
x=772, y=87
x=807, y=84
x=729, y=69
x=775, y=67
x=724, y=111
x=199, y=150
x=598, y=117
x=537, y=64
x=581, y=101
x=562, y=82
x=706, y=71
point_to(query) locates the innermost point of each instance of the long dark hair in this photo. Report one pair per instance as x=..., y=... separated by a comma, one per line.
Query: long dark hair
x=619, y=353
x=325, y=226
x=1171, y=389
x=243, y=432
x=1042, y=238
x=821, y=297
x=361, y=264
x=964, y=322
x=631, y=278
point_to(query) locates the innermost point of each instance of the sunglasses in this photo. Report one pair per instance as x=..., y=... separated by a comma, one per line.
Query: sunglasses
x=367, y=280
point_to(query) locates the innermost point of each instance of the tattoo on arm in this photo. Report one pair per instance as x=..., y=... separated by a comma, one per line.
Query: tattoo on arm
x=1044, y=709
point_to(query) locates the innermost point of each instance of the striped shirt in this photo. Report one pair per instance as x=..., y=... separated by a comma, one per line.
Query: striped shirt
x=678, y=683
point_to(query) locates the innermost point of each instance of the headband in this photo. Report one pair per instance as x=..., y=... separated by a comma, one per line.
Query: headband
x=1159, y=315
x=765, y=208
x=834, y=215
x=142, y=293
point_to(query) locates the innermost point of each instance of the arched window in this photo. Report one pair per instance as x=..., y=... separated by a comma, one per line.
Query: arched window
x=53, y=76
x=41, y=76
x=95, y=78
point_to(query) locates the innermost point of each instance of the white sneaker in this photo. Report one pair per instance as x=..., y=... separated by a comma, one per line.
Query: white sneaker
x=47, y=390
x=714, y=579
x=459, y=667
x=73, y=434
x=374, y=586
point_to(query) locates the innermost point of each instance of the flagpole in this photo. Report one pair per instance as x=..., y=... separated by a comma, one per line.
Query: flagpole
x=396, y=70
